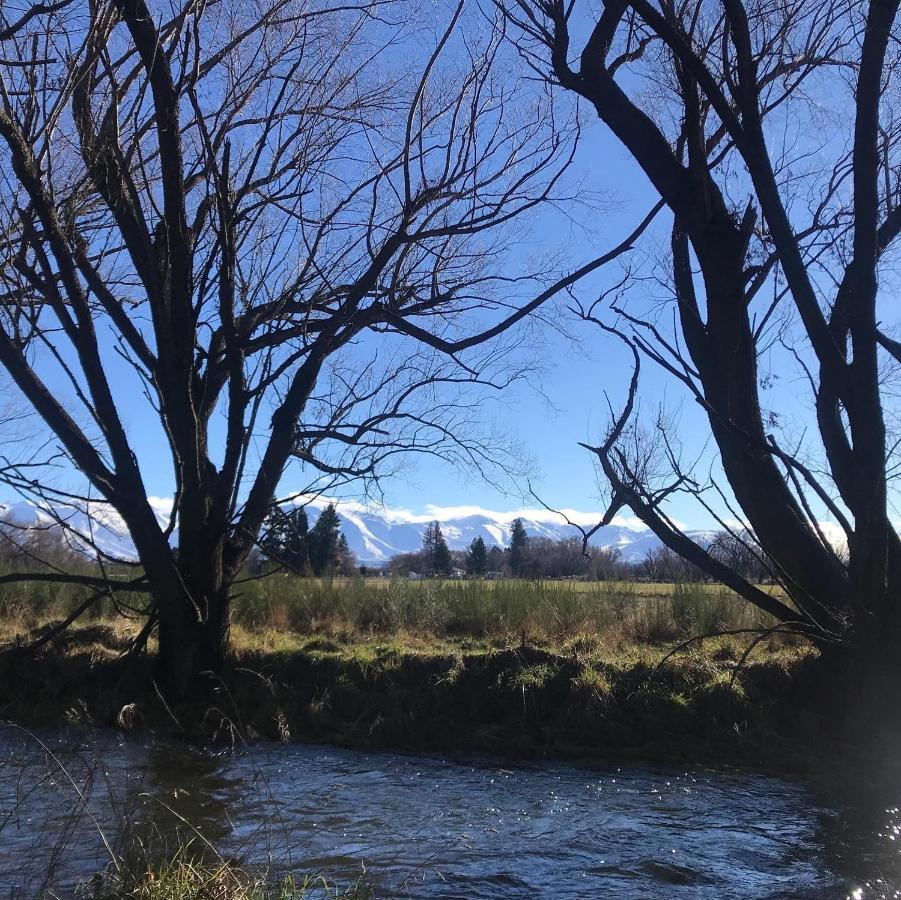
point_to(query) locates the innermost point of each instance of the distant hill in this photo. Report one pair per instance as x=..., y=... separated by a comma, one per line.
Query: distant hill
x=373, y=534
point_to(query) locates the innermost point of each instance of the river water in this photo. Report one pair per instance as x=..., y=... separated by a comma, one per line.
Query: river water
x=426, y=826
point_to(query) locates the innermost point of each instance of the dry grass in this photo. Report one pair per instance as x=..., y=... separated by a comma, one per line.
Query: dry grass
x=279, y=614
x=464, y=670
x=184, y=878
x=508, y=609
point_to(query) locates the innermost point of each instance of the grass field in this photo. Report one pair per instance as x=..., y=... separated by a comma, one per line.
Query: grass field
x=548, y=610
x=650, y=613
x=512, y=667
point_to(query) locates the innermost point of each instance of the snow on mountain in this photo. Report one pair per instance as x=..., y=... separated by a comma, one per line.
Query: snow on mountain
x=374, y=534
x=93, y=525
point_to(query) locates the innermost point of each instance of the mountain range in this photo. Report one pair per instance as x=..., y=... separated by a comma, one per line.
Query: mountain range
x=377, y=534
x=374, y=534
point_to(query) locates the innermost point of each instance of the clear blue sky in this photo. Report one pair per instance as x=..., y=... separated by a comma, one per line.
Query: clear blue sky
x=571, y=405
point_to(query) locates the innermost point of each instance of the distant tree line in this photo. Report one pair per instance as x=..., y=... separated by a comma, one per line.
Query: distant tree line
x=531, y=556
x=525, y=556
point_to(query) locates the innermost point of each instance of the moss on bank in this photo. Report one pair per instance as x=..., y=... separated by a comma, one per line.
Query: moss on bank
x=574, y=698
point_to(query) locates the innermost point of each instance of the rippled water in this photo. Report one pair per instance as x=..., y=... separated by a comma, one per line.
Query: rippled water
x=434, y=827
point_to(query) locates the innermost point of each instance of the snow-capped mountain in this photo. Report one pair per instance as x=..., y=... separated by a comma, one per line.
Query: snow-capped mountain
x=88, y=528
x=377, y=534
x=374, y=534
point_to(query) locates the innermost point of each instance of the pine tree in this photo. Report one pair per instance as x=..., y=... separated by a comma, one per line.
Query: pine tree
x=272, y=537
x=285, y=538
x=324, y=541
x=435, y=551
x=518, y=550
x=428, y=546
x=442, y=560
x=477, y=558
x=428, y=538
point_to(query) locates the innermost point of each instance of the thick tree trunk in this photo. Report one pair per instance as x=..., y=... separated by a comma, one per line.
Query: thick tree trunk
x=195, y=612
x=193, y=641
x=194, y=609
x=858, y=683
x=191, y=587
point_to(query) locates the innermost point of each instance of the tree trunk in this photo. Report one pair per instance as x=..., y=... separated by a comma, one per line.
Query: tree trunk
x=194, y=596
x=859, y=683
x=191, y=587
x=193, y=641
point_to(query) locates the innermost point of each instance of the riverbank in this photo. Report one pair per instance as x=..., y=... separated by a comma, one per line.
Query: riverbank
x=579, y=697
x=593, y=670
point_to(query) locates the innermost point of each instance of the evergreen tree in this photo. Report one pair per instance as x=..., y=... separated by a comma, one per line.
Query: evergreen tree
x=274, y=533
x=477, y=558
x=442, y=560
x=324, y=541
x=518, y=549
x=428, y=540
x=285, y=539
x=435, y=551
x=428, y=547
x=345, y=564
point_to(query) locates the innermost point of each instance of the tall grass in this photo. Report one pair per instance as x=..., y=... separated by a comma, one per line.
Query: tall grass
x=485, y=609
x=25, y=605
x=646, y=613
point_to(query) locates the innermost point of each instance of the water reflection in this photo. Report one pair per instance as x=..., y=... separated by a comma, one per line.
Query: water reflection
x=861, y=835
x=186, y=795
x=430, y=827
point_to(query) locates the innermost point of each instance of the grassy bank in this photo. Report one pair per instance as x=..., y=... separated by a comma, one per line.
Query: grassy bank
x=557, y=668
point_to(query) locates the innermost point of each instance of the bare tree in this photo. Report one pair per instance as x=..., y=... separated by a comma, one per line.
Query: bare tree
x=738, y=549
x=770, y=131
x=281, y=228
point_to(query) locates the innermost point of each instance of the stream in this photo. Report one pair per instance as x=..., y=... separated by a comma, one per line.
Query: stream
x=428, y=826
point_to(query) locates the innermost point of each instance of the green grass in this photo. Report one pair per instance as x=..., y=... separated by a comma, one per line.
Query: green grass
x=185, y=878
x=641, y=613
x=512, y=667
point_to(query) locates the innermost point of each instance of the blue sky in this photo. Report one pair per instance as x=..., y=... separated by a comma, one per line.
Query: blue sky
x=573, y=376
x=566, y=406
